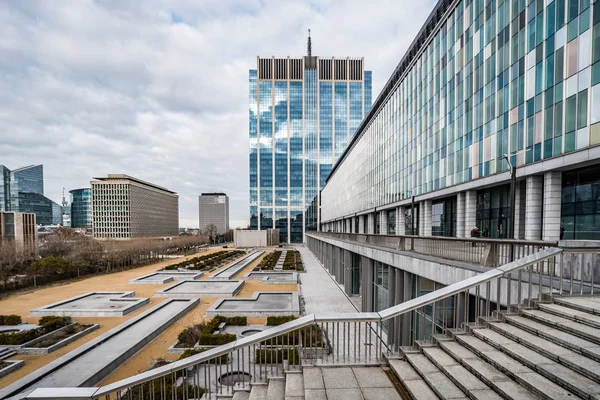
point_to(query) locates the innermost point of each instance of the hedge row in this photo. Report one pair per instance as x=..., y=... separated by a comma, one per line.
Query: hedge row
x=203, y=334
x=275, y=321
x=269, y=261
x=10, y=319
x=192, y=352
x=276, y=356
x=293, y=261
x=207, y=261
x=47, y=325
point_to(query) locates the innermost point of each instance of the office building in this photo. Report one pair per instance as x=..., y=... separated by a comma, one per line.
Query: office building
x=81, y=208
x=22, y=190
x=478, y=84
x=20, y=229
x=213, y=209
x=303, y=113
x=124, y=207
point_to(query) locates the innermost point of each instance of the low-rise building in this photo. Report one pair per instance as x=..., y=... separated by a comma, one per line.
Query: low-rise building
x=124, y=207
x=19, y=228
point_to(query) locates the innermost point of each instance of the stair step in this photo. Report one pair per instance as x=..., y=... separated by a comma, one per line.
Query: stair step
x=586, y=304
x=552, y=370
x=527, y=377
x=240, y=395
x=437, y=381
x=416, y=387
x=555, y=352
x=465, y=380
x=276, y=389
x=6, y=352
x=258, y=392
x=294, y=386
x=585, y=347
x=564, y=324
x=489, y=374
x=572, y=314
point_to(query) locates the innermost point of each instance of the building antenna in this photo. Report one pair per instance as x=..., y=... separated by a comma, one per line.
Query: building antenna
x=309, y=45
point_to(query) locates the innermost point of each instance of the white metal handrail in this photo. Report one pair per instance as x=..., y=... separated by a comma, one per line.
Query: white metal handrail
x=373, y=320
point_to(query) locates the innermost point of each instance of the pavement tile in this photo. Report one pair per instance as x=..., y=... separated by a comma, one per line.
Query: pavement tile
x=339, y=378
x=380, y=394
x=344, y=394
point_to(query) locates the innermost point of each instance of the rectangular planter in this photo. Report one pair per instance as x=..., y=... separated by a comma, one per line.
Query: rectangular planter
x=14, y=365
x=27, y=349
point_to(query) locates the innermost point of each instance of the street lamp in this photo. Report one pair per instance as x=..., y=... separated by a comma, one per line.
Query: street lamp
x=513, y=187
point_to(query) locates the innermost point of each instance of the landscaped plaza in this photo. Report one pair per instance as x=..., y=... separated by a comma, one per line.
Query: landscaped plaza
x=133, y=325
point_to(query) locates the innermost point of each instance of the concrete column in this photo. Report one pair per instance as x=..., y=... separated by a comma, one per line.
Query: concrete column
x=407, y=317
x=421, y=219
x=520, y=199
x=400, y=221
x=533, y=208
x=460, y=215
x=361, y=224
x=366, y=264
x=426, y=218
x=383, y=222
x=371, y=223
x=470, y=211
x=347, y=272
x=552, y=205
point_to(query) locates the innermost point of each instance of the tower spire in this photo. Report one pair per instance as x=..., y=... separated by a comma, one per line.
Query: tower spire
x=309, y=45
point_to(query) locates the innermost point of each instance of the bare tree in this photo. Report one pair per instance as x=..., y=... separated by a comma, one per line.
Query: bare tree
x=11, y=257
x=211, y=232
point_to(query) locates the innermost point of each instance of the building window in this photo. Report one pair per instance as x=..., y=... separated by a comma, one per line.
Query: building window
x=408, y=221
x=422, y=318
x=580, y=209
x=377, y=223
x=380, y=287
x=443, y=218
x=391, y=216
x=493, y=212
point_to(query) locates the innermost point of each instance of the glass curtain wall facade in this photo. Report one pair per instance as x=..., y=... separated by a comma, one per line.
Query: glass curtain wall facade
x=494, y=77
x=303, y=113
x=81, y=208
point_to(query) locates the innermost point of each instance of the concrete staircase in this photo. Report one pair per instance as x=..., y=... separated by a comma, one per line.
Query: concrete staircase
x=6, y=352
x=551, y=351
x=324, y=383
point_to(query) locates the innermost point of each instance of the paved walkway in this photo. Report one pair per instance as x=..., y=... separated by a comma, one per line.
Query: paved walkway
x=321, y=293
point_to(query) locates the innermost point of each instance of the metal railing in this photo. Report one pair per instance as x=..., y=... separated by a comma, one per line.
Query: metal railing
x=339, y=339
x=488, y=252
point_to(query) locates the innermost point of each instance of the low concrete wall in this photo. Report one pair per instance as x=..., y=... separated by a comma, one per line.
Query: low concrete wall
x=14, y=365
x=55, y=308
x=27, y=349
x=243, y=238
x=294, y=310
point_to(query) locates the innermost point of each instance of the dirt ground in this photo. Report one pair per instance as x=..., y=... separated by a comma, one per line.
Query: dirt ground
x=21, y=303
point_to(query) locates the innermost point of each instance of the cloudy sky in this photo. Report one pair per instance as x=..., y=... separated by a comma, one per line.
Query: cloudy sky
x=158, y=89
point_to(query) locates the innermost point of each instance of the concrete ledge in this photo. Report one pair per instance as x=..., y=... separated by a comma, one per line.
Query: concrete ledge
x=27, y=349
x=60, y=308
x=162, y=277
x=231, y=271
x=273, y=277
x=246, y=308
x=196, y=289
x=14, y=365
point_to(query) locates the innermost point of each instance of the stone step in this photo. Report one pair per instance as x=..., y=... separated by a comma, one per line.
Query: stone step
x=276, y=389
x=294, y=385
x=575, y=328
x=572, y=314
x=241, y=395
x=586, y=304
x=512, y=368
x=465, y=380
x=553, y=351
x=414, y=384
x=6, y=352
x=437, y=381
x=501, y=383
x=314, y=387
x=564, y=376
x=576, y=343
x=258, y=392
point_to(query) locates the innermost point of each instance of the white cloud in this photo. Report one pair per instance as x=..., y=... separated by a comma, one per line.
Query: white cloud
x=95, y=87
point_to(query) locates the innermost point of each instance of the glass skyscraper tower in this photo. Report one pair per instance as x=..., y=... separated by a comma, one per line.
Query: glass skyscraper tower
x=303, y=113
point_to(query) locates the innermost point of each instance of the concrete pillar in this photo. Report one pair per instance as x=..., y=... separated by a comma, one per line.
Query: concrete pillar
x=460, y=215
x=383, y=222
x=552, y=205
x=533, y=208
x=400, y=221
x=361, y=224
x=520, y=199
x=347, y=272
x=366, y=265
x=407, y=317
x=426, y=218
x=470, y=211
x=421, y=219
x=371, y=223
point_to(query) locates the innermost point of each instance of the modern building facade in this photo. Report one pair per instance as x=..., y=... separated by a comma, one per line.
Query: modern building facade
x=81, y=208
x=303, y=113
x=124, y=207
x=20, y=229
x=22, y=190
x=213, y=209
x=481, y=81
